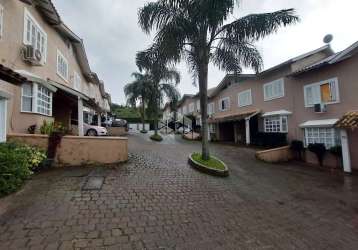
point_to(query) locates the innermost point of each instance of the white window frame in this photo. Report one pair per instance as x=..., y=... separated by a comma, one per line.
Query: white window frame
x=4, y=122
x=185, y=110
x=191, y=107
x=318, y=84
x=58, y=70
x=281, y=119
x=272, y=84
x=41, y=102
x=198, y=105
x=220, y=102
x=77, y=81
x=318, y=138
x=211, y=108
x=38, y=28
x=1, y=21
x=36, y=99
x=248, y=91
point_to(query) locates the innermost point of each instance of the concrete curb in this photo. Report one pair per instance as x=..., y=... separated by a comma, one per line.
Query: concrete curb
x=207, y=170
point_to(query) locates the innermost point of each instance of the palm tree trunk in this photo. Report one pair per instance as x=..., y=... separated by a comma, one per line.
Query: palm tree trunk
x=156, y=113
x=203, y=90
x=143, y=115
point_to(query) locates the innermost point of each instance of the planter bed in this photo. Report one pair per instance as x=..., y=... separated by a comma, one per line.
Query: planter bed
x=221, y=170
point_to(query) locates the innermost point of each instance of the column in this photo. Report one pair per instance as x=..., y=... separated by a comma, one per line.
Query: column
x=345, y=152
x=247, y=126
x=99, y=120
x=80, y=117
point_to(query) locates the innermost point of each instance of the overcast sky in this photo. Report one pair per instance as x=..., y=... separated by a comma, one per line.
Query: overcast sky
x=112, y=36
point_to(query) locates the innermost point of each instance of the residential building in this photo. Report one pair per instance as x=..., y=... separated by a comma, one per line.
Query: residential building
x=59, y=85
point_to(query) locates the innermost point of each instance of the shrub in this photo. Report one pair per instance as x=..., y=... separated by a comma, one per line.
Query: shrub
x=297, y=146
x=336, y=151
x=48, y=128
x=270, y=139
x=156, y=138
x=319, y=149
x=17, y=163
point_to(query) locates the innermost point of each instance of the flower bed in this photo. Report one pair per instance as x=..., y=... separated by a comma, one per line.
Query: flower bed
x=213, y=166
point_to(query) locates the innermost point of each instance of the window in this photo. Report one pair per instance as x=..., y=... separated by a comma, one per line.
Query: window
x=212, y=128
x=1, y=21
x=327, y=136
x=185, y=110
x=26, y=98
x=44, y=101
x=198, y=105
x=36, y=99
x=211, y=108
x=224, y=104
x=34, y=35
x=62, y=66
x=191, y=107
x=322, y=92
x=76, y=81
x=245, y=98
x=276, y=124
x=274, y=90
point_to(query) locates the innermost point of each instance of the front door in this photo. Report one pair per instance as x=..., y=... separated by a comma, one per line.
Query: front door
x=2, y=120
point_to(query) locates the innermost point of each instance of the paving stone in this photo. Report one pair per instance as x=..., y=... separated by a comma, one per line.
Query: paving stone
x=93, y=183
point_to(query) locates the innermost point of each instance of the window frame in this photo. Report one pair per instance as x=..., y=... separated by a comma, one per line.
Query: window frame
x=77, y=81
x=280, y=118
x=273, y=97
x=35, y=98
x=50, y=102
x=191, y=107
x=185, y=110
x=211, y=104
x=220, y=104
x=305, y=95
x=28, y=15
x=334, y=132
x=2, y=11
x=59, y=54
x=242, y=93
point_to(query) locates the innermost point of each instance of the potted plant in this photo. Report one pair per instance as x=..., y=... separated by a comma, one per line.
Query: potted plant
x=298, y=148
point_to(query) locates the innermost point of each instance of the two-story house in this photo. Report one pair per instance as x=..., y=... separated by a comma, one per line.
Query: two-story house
x=59, y=84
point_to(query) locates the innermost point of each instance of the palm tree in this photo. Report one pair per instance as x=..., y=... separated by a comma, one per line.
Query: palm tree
x=164, y=80
x=139, y=90
x=196, y=30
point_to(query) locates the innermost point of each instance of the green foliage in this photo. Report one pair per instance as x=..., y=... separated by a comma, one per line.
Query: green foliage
x=211, y=163
x=319, y=149
x=156, y=137
x=49, y=128
x=125, y=112
x=17, y=163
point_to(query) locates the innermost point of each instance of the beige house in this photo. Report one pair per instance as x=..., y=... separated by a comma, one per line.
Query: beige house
x=58, y=82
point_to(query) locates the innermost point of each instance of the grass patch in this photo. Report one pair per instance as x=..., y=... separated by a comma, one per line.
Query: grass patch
x=144, y=131
x=211, y=163
x=156, y=137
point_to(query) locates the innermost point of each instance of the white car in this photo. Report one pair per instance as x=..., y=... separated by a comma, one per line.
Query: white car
x=93, y=130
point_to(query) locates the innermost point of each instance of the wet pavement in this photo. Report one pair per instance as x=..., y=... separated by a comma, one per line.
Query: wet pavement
x=156, y=201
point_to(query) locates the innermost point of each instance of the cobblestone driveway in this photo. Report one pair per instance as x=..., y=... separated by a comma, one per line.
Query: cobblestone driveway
x=156, y=201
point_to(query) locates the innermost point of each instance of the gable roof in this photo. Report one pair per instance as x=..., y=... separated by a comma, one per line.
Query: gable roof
x=226, y=81
x=335, y=58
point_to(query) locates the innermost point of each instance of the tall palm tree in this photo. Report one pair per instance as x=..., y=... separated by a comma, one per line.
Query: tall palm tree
x=197, y=30
x=139, y=90
x=164, y=80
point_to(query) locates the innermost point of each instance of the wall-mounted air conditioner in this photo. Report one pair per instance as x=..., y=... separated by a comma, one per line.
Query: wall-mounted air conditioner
x=32, y=55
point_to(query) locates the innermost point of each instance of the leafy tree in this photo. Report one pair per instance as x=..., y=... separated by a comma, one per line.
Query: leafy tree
x=163, y=78
x=196, y=30
x=139, y=90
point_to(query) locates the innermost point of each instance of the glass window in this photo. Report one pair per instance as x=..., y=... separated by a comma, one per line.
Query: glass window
x=245, y=98
x=274, y=90
x=276, y=124
x=77, y=81
x=322, y=92
x=191, y=107
x=327, y=136
x=185, y=110
x=62, y=66
x=26, y=99
x=1, y=20
x=44, y=101
x=224, y=104
x=211, y=108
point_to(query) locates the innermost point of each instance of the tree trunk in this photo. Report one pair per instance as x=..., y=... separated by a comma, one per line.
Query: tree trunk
x=156, y=112
x=143, y=115
x=203, y=90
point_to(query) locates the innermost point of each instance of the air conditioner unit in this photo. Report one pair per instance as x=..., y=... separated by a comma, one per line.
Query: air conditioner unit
x=320, y=108
x=32, y=55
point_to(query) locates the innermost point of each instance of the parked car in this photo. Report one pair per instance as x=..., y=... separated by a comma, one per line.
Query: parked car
x=119, y=123
x=94, y=130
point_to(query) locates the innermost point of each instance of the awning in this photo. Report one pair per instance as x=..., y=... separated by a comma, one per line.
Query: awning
x=68, y=90
x=349, y=120
x=278, y=112
x=319, y=123
x=36, y=79
x=230, y=118
x=8, y=75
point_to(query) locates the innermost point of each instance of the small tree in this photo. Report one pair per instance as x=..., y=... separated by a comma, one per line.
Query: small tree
x=319, y=149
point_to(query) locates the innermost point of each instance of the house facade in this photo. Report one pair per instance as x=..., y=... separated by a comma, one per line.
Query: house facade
x=59, y=85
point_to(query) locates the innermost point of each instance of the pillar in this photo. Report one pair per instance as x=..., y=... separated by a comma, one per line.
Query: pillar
x=247, y=127
x=99, y=120
x=345, y=152
x=80, y=117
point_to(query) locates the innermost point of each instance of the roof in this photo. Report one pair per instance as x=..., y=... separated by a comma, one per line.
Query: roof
x=335, y=58
x=8, y=75
x=319, y=123
x=37, y=79
x=349, y=120
x=224, y=82
x=235, y=117
x=278, y=112
x=185, y=96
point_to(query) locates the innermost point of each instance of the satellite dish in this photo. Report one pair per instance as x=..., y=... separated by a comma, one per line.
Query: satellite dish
x=328, y=39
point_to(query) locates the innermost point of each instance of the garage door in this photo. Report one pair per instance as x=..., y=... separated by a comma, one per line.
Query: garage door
x=2, y=120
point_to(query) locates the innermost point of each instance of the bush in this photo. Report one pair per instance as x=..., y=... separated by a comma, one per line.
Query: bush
x=49, y=128
x=297, y=146
x=17, y=163
x=270, y=140
x=156, y=138
x=319, y=149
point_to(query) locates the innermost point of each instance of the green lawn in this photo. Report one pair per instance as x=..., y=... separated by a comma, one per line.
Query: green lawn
x=211, y=163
